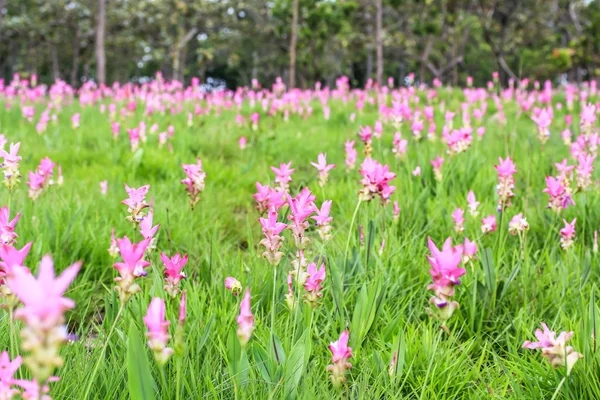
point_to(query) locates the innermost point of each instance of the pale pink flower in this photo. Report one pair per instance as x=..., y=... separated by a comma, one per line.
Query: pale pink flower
x=136, y=203
x=272, y=241
x=313, y=284
x=473, y=203
x=147, y=230
x=12, y=259
x=283, y=175
x=351, y=155
x=301, y=207
x=488, y=224
x=245, y=320
x=242, y=142
x=8, y=369
x=560, y=196
x=399, y=145
x=267, y=198
x=518, y=224
x=375, y=181
x=417, y=171
x=323, y=220
x=158, y=333
x=437, y=168
x=103, y=187
x=131, y=268
x=233, y=285
x=554, y=348
x=567, y=234
x=194, y=181
x=323, y=168
x=340, y=353
x=459, y=220
x=113, y=250
x=7, y=226
x=173, y=274
x=506, y=182
x=584, y=170
x=396, y=212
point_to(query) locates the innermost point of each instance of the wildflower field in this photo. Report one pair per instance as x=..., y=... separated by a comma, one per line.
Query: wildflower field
x=422, y=242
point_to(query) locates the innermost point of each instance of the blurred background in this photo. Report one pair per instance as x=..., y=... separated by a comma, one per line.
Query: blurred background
x=229, y=43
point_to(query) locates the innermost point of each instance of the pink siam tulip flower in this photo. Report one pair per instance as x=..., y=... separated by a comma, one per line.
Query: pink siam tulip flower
x=469, y=249
x=560, y=196
x=43, y=313
x=518, y=225
x=272, y=241
x=134, y=138
x=301, y=207
x=488, y=224
x=567, y=234
x=565, y=172
x=194, y=182
x=113, y=250
x=588, y=118
x=255, y=118
x=351, y=155
x=399, y=145
x=340, y=353
x=437, y=168
x=75, y=120
x=116, y=130
x=158, y=333
x=245, y=320
x=313, y=284
x=417, y=171
x=375, y=181
x=242, y=142
x=33, y=390
x=506, y=182
x=323, y=168
x=8, y=369
x=459, y=220
x=366, y=136
x=11, y=259
x=378, y=129
x=148, y=231
x=566, y=136
x=543, y=121
x=173, y=274
x=267, y=198
x=233, y=285
x=104, y=188
x=480, y=132
x=473, y=203
x=323, y=220
x=131, y=268
x=283, y=175
x=290, y=300
x=584, y=171
x=554, y=348
x=396, y=212
x=136, y=203
x=7, y=226
x=10, y=165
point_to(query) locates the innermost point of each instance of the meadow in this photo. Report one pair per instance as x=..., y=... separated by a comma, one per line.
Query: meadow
x=267, y=333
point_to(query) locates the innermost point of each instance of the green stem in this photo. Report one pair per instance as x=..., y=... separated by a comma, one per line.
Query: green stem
x=350, y=235
x=163, y=379
x=101, y=355
x=558, y=388
x=178, y=379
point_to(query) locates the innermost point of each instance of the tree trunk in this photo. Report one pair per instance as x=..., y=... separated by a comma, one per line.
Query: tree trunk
x=379, y=41
x=292, y=81
x=100, y=34
x=55, y=64
x=75, y=66
x=1, y=17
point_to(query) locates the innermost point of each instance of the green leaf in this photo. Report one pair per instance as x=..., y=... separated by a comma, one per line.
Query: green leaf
x=489, y=270
x=263, y=362
x=295, y=364
x=141, y=383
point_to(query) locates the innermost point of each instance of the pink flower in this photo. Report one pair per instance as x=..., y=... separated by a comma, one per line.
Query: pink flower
x=340, y=353
x=375, y=181
x=194, y=181
x=301, y=207
x=554, y=348
x=313, y=284
x=147, y=230
x=104, y=188
x=267, y=198
x=473, y=203
x=567, y=234
x=437, y=168
x=469, y=249
x=506, y=182
x=459, y=220
x=116, y=129
x=560, y=196
x=399, y=145
x=323, y=168
x=136, y=202
x=132, y=266
x=173, y=274
x=378, y=129
x=12, y=259
x=488, y=224
x=351, y=154
x=10, y=166
x=584, y=170
x=445, y=272
x=42, y=298
x=396, y=212
x=365, y=134
x=233, y=285
x=543, y=121
x=182, y=308
x=417, y=171
x=245, y=320
x=323, y=220
x=7, y=372
x=113, y=250
x=272, y=241
x=7, y=226
x=158, y=334
x=242, y=142
x=283, y=175
x=518, y=224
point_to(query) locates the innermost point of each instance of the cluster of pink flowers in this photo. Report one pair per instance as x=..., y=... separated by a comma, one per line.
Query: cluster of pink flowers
x=131, y=268
x=313, y=284
x=375, y=181
x=399, y=145
x=267, y=198
x=272, y=241
x=323, y=220
x=488, y=224
x=543, y=120
x=194, y=181
x=173, y=274
x=518, y=225
x=41, y=178
x=554, y=348
x=366, y=136
x=560, y=195
x=506, y=182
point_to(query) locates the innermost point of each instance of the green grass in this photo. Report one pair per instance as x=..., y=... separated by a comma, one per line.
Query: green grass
x=503, y=297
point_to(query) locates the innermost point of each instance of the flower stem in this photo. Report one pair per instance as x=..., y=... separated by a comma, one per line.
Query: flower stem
x=101, y=355
x=350, y=234
x=558, y=388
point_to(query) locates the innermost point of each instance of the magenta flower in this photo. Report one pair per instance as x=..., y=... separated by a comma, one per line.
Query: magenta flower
x=313, y=284
x=147, y=230
x=283, y=175
x=194, y=181
x=560, y=196
x=445, y=272
x=375, y=181
x=459, y=220
x=245, y=320
x=340, y=353
x=173, y=274
x=378, y=129
x=323, y=168
x=567, y=234
x=12, y=259
x=8, y=369
x=543, y=121
x=506, y=182
x=267, y=198
x=469, y=249
x=36, y=183
x=584, y=170
x=136, y=203
x=242, y=142
x=554, y=348
x=7, y=226
x=588, y=118
x=233, y=285
x=399, y=144
x=10, y=166
x=131, y=268
x=488, y=224
x=301, y=207
x=158, y=334
x=272, y=241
